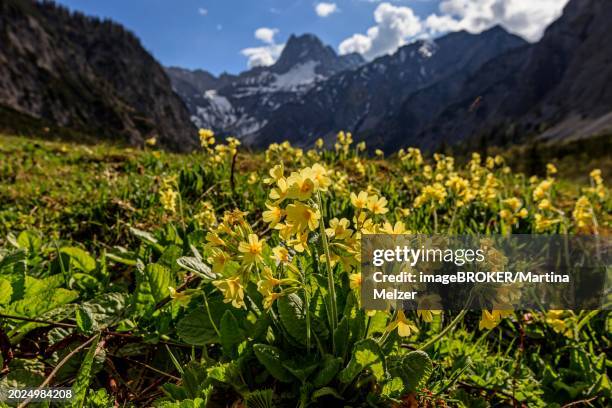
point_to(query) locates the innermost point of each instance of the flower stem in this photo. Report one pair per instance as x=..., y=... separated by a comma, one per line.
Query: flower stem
x=333, y=318
x=448, y=328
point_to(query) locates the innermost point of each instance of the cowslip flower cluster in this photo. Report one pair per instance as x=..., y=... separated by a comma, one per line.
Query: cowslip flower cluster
x=291, y=207
x=512, y=210
x=343, y=142
x=168, y=196
x=583, y=215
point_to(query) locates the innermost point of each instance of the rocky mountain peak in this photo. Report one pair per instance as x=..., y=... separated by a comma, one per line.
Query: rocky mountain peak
x=308, y=48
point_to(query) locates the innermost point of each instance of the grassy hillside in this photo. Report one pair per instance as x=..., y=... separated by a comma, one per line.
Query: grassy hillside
x=227, y=276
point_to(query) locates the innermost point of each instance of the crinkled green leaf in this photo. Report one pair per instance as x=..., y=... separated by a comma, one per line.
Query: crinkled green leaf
x=196, y=266
x=366, y=355
x=80, y=259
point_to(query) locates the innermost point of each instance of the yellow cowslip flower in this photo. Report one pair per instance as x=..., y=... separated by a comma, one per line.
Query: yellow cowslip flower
x=551, y=169
x=583, y=214
x=214, y=239
x=404, y=326
x=276, y=173
x=490, y=163
x=319, y=175
x=427, y=315
x=301, y=187
x=168, y=199
x=206, y=216
x=207, y=137
x=253, y=178
x=596, y=176
x=397, y=229
x=268, y=282
x=514, y=203
x=270, y=298
x=505, y=215
x=338, y=229
x=181, y=298
x=301, y=217
x=218, y=259
x=379, y=153
x=235, y=217
x=545, y=205
x=251, y=250
x=281, y=254
x=460, y=187
x=273, y=215
x=355, y=281
x=377, y=205
x=152, y=141
x=281, y=191
x=359, y=167
x=490, y=320
x=232, y=291
x=364, y=224
x=359, y=201
x=543, y=224
x=319, y=143
x=542, y=189
x=300, y=242
x=361, y=146
x=523, y=213
x=431, y=194
x=554, y=319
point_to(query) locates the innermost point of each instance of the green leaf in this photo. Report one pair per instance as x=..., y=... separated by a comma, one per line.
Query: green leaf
x=6, y=291
x=84, y=320
x=39, y=303
x=80, y=259
x=341, y=336
x=169, y=257
x=30, y=241
x=293, y=316
x=231, y=334
x=270, y=358
x=160, y=279
x=196, y=328
x=81, y=383
x=196, y=266
x=146, y=237
x=414, y=370
x=326, y=392
x=366, y=355
x=329, y=368
x=260, y=399
x=301, y=368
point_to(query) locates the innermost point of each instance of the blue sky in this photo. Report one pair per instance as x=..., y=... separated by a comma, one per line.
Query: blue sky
x=212, y=34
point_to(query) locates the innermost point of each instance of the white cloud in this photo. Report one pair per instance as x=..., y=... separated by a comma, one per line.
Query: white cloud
x=266, y=34
x=395, y=26
x=326, y=9
x=267, y=54
x=262, y=56
x=202, y=11
x=527, y=18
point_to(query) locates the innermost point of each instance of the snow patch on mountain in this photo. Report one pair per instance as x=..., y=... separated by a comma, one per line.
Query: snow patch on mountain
x=299, y=76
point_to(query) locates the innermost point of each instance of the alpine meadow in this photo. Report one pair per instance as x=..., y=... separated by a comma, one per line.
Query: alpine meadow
x=197, y=198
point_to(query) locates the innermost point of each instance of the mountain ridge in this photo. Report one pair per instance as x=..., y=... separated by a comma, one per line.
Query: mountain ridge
x=88, y=75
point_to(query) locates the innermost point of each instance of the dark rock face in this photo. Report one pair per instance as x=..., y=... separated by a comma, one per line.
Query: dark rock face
x=86, y=74
x=558, y=88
